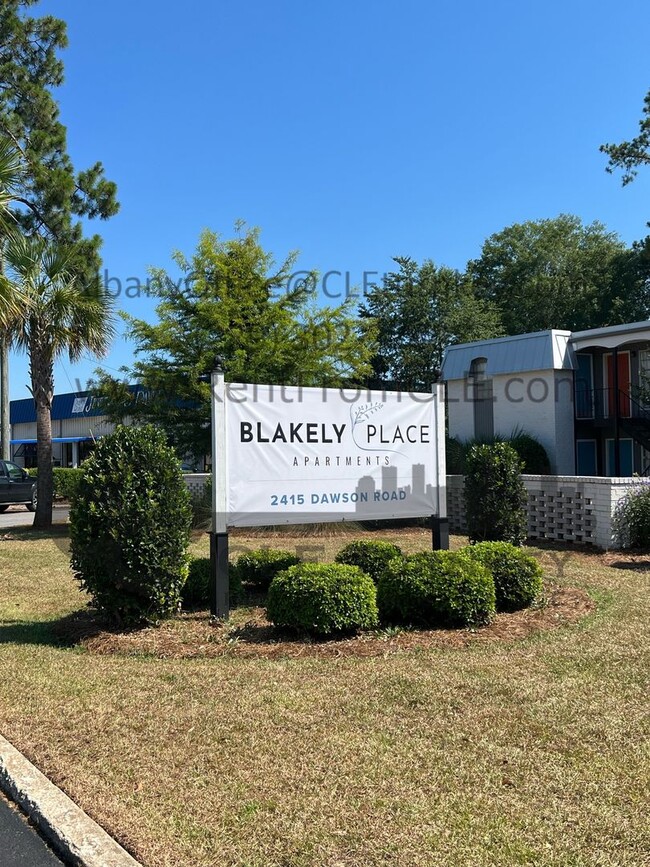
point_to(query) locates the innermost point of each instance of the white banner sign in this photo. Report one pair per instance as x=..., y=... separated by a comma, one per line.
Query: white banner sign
x=305, y=455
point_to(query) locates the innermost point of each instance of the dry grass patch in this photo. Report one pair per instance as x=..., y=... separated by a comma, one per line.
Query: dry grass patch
x=528, y=751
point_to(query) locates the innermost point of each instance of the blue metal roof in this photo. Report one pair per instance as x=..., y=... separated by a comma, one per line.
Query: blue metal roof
x=54, y=440
x=542, y=350
x=78, y=404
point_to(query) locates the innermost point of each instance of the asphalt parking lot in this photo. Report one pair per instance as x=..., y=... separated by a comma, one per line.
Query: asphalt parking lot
x=18, y=516
x=21, y=844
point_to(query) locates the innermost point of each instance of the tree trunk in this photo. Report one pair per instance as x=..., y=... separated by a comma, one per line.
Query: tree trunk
x=4, y=398
x=43, y=390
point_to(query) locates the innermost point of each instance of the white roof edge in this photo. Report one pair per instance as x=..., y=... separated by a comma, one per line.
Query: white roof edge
x=611, y=330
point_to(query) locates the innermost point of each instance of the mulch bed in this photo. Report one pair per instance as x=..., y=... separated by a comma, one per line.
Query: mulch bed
x=195, y=635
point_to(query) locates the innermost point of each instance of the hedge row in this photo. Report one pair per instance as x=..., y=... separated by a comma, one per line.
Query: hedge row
x=66, y=481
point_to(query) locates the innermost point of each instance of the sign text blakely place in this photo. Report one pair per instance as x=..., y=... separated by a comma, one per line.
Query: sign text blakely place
x=303, y=455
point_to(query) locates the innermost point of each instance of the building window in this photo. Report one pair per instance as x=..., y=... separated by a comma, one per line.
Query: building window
x=586, y=458
x=625, y=454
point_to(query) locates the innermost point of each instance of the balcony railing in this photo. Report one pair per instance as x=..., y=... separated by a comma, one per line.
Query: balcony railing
x=600, y=403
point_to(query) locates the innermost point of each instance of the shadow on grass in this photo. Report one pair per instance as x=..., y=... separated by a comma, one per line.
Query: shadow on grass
x=58, y=533
x=633, y=565
x=67, y=631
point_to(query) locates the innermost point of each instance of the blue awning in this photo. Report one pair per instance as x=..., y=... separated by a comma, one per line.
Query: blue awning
x=54, y=440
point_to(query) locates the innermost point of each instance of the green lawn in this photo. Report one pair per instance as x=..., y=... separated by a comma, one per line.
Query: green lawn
x=501, y=752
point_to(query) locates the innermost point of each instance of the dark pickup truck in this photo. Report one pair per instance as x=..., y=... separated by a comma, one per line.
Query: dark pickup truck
x=17, y=487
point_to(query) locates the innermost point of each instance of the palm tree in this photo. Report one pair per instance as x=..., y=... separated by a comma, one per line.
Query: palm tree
x=58, y=315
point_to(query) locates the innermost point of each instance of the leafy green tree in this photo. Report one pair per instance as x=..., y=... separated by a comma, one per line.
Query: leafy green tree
x=558, y=273
x=418, y=310
x=57, y=315
x=52, y=197
x=630, y=155
x=232, y=301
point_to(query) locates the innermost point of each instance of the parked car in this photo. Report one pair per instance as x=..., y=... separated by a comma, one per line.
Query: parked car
x=17, y=487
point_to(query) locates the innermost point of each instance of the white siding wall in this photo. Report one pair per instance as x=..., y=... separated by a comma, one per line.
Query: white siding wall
x=89, y=426
x=460, y=410
x=538, y=402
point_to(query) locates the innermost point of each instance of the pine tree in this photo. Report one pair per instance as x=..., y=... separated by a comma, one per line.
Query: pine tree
x=52, y=196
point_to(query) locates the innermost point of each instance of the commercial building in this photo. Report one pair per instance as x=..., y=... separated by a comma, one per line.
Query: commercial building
x=77, y=422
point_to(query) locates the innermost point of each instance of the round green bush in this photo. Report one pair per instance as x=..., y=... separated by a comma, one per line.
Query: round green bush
x=260, y=567
x=532, y=453
x=631, y=521
x=436, y=588
x=323, y=598
x=495, y=496
x=517, y=575
x=371, y=556
x=130, y=526
x=196, y=590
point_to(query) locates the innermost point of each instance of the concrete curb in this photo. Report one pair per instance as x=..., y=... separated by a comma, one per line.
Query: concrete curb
x=73, y=834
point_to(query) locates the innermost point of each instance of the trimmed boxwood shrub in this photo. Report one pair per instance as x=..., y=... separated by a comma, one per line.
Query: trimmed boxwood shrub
x=196, y=590
x=323, y=598
x=371, y=556
x=130, y=526
x=495, y=496
x=517, y=575
x=436, y=588
x=260, y=567
x=631, y=521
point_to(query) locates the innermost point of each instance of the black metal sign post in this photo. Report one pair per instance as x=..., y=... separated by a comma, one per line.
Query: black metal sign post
x=439, y=521
x=220, y=585
x=439, y=533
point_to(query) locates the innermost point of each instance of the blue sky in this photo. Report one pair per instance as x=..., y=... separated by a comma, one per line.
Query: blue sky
x=352, y=131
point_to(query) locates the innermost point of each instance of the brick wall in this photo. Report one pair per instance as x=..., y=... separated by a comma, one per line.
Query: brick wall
x=196, y=482
x=560, y=508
